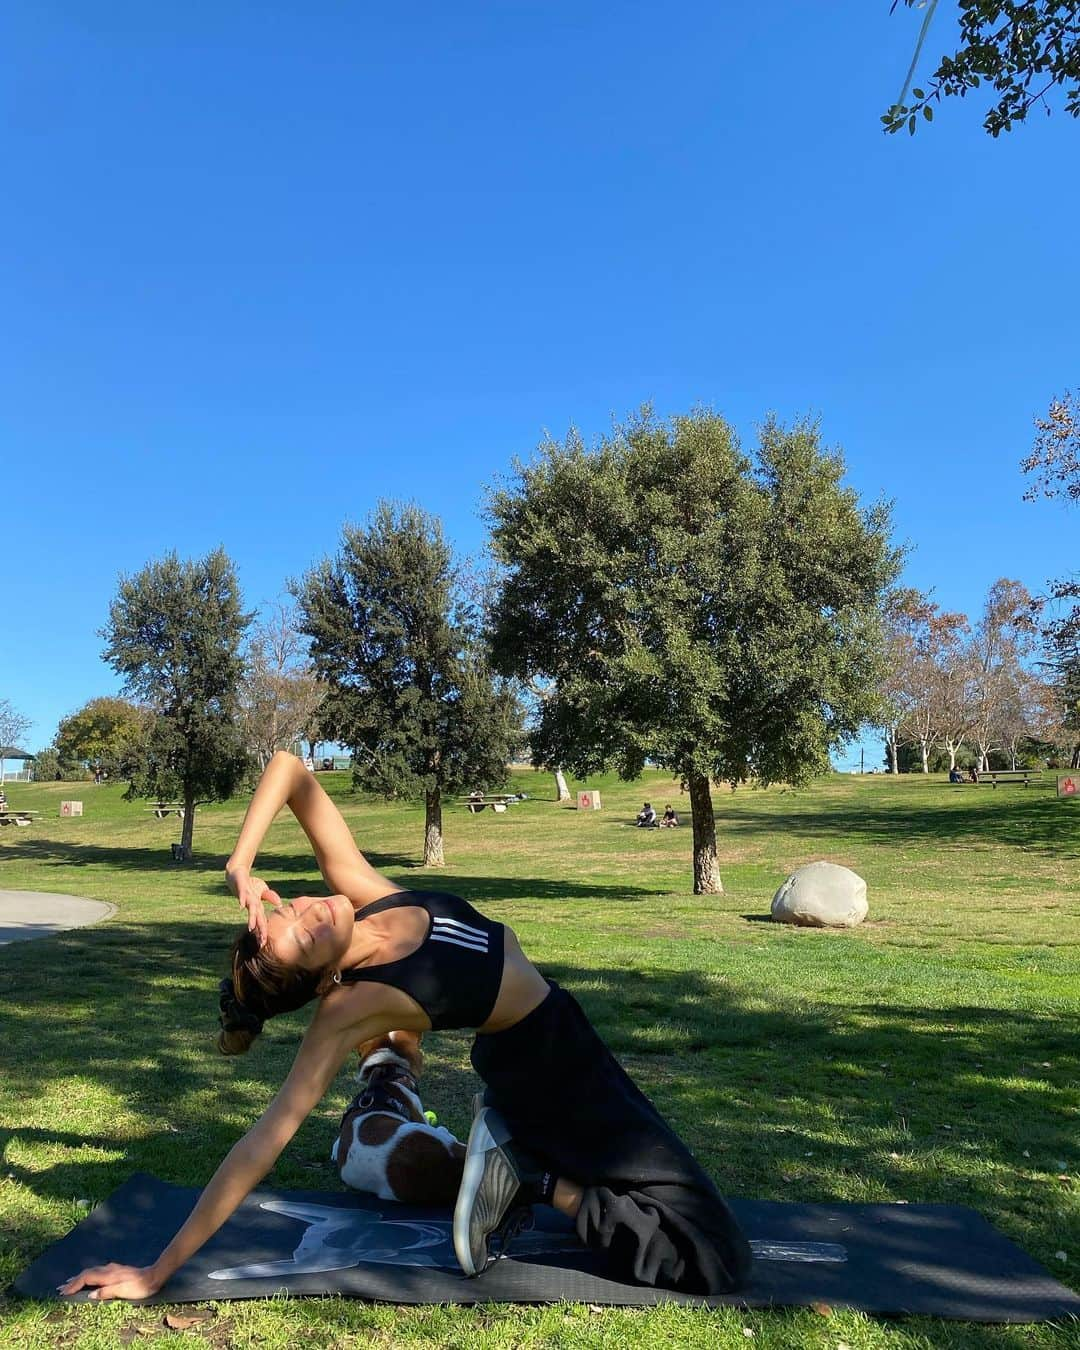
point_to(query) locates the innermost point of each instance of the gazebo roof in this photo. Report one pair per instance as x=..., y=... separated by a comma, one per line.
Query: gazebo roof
x=10, y=752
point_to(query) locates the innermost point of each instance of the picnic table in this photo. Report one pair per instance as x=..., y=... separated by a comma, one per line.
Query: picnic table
x=163, y=809
x=14, y=816
x=996, y=776
x=498, y=801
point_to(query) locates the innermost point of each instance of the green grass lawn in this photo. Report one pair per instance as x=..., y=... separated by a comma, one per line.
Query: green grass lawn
x=932, y=1054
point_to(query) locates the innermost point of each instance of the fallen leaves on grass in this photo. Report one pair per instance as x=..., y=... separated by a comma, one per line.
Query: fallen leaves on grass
x=184, y=1322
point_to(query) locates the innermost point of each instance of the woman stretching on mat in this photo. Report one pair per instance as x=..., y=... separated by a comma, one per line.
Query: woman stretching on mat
x=561, y=1123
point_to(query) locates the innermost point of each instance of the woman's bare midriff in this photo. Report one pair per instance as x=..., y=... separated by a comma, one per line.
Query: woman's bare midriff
x=523, y=988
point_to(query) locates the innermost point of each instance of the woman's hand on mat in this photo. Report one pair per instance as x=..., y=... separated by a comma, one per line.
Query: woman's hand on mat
x=114, y=1281
x=252, y=893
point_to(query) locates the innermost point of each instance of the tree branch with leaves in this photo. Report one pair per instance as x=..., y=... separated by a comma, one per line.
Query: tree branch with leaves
x=1025, y=50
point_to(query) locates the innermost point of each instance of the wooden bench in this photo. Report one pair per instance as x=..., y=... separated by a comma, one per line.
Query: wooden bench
x=8, y=816
x=996, y=776
x=163, y=809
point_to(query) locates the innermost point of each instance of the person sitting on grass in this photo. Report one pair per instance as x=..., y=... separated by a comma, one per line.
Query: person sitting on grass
x=646, y=817
x=669, y=820
x=559, y=1123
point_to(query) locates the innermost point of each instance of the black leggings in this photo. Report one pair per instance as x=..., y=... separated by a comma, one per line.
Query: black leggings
x=647, y=1203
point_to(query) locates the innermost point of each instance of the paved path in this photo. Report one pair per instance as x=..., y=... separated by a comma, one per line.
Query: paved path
x=34, y=914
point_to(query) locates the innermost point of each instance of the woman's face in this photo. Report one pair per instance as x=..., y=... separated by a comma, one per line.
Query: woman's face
x=311, y=932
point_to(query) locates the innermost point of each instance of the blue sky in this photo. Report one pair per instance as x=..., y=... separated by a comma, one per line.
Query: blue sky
x=265, y=263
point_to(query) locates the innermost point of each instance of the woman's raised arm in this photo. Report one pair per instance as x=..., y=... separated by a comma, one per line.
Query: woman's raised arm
x=277, y=785
x=325, y=1048
x=286, y=782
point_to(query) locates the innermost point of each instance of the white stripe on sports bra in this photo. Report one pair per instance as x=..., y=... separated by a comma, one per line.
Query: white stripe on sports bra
x=467, y=930
x=460, y=942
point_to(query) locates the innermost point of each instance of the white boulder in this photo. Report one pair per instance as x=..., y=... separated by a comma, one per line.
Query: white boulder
x=821, y=895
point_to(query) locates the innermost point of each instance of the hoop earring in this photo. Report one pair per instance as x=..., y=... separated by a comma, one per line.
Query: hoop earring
x=337, y=976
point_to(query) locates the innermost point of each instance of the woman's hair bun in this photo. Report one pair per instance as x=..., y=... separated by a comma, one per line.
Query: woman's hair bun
x=234, y=1016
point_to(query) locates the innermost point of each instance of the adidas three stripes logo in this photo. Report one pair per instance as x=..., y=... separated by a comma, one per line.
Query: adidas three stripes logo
x=460, y=934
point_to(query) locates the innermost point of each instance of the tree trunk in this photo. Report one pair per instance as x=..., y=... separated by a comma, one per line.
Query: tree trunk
x=706, y=866
x=433, y=839
x=189, y=827
x=925, y=759
x=560, y=787
x=890, y=745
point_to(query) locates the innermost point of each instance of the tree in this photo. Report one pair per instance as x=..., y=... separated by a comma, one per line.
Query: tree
x=47, y=767
x=174, y=634
x=279, y=695
x=1001, y=642
x=1029, y=717
x=901, y=611
x=540, y=691
x=1024, y=49
x=954, y=690
x=105, y=733
x=1067, y=692
x=690, y=608
x=1055, y=455
x=1055, y=462
x=940, y=711
x=925, y=693
x=408, y=685
x=13, y=727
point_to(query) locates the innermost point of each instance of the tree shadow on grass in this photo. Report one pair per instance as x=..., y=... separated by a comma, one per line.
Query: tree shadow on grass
x=1031, y=822
x=867, y=1101
x=127, y=858
x=277, y=868
x=131, y=1009
x=779, y=1099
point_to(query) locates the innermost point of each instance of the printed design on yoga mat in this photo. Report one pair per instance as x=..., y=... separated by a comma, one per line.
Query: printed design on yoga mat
x=338, y=1239
x=798, y=1251
x=931, y=1260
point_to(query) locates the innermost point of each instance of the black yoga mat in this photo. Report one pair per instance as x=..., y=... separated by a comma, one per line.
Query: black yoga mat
x=892, y=1259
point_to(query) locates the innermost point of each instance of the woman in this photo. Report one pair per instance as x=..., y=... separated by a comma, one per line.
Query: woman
x=561, y=1123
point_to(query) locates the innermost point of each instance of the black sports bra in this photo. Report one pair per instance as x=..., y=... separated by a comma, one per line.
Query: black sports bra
x=456, y=971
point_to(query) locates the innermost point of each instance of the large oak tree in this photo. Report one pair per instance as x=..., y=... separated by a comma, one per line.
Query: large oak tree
x=408, y=685
x=691, y=606
x=174, y=634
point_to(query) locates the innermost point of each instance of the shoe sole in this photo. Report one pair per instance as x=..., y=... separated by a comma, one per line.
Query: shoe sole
x=489, y=1131
x=480, y=1143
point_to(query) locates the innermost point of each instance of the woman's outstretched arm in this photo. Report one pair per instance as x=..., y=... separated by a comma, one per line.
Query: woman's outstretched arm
x=325, y=1048
x=286, y=782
